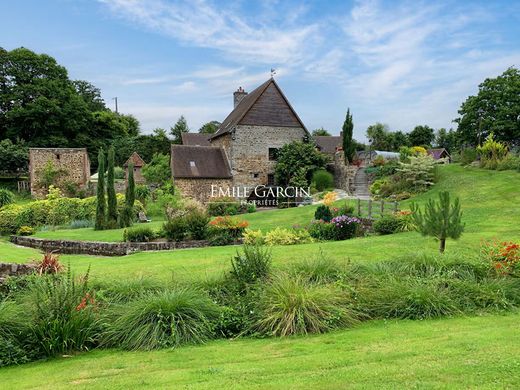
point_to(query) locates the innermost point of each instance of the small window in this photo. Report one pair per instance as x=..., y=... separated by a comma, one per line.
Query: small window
x=273, y=154
x=57, y=156
x=270, y=179
x=255, y=175
x=192, y=163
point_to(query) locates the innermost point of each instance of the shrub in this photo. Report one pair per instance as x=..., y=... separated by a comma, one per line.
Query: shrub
x=6, y=197
x=345, y=227
x=387, y=224
x=63, y=314
x=15, y=337
x=252, y=264
x=322, y=180
x=405, y=218
x=139, y=234
x=142, y=193
x=323, y=213
x=162, y=319
x=321, y=230
x=329, y=198
x=468, y=155
x=253, y=237
x=25, y=231
x=233, y=227
x=509, y=162
x=229, y=206
x=175, y=229
x=281, y=236
x=197, y=224
x=49, y=264
x=290, y=305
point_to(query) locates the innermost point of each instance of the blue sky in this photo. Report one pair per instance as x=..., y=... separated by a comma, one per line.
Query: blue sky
x=400, y=63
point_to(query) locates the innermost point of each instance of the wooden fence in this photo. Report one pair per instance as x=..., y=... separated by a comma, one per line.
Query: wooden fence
x=373, y=208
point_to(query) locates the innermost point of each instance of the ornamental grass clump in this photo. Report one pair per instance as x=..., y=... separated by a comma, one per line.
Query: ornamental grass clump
x=320, y=269
x=162, y=319
x=290, y=305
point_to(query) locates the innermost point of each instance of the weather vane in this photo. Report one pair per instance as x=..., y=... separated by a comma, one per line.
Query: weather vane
x=273, y=72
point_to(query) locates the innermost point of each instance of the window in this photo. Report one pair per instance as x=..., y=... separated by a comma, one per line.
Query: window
x=270, y=179
x=192, y=163
x=255, y=175
x=273, y=154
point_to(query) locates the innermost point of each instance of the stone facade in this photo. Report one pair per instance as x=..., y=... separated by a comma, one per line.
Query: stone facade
x=249, y=153
x=73, y=164
x=200, y=189
x=344, y=173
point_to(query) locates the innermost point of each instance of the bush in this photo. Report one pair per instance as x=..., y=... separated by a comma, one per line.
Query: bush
x=253, y=237
x=290, y=305
x=509, y=162
x=175, y=229
x=281, y=236
x=229, y=206
x=139, y=234
x=345, y=227
x=321, y=230
x=6, y=197
x=322, y=180
x=387, y=224
x=323, y=213
x=468, y=155
x=233, y=227
x=162, y=319
x=252, y=264
x=197, y=224
x=142, y=193
x=15, y=338
x=25, y=231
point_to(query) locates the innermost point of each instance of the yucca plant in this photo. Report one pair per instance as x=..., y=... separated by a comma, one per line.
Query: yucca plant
x=162, y=319
x=49, y=264
x=291, y=305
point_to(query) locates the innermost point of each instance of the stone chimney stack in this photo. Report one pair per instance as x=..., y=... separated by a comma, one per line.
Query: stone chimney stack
x=238, y=95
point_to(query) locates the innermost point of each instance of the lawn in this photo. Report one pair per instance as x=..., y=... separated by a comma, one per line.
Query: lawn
x=489, y=201
x=474, y=352
x=462, y=352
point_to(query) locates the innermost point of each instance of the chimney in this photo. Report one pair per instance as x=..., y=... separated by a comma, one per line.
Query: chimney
x=238, y=95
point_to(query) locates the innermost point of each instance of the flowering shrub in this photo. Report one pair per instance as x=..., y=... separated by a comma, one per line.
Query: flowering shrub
x=329, y=198
x=406, y=220
x=345, y=209
x=346, y=227
x=281, y=236
x=25, y=231
x=504, y=256
x=225, y=230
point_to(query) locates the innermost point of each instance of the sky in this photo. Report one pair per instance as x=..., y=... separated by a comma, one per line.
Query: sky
x=402, y=63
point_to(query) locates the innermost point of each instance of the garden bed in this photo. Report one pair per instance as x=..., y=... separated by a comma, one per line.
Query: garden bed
x=104, y=248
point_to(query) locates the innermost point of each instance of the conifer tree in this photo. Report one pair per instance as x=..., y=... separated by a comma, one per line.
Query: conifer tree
x=100, y=222
x=127, y=216
x=441, y=219
x=348, y=144
x=111, y=190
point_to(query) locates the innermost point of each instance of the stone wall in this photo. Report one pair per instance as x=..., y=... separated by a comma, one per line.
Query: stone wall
x=103, y=248
x=225, y=142
x=73, y=163
x=343, y=173
x=200, y=189
x=249, y=160
x=13, y=269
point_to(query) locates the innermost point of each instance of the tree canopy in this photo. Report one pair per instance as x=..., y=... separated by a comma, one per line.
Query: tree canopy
x=320, y=131
x=180, y=127
x=495, y=109
x=421, y=136
x=209, y=128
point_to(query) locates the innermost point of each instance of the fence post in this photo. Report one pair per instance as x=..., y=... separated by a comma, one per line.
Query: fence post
x=369, y=208
x=382, y=207
x=359, y=207
x=396, y=206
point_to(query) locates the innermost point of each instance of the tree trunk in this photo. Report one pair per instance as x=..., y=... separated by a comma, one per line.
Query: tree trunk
x=442, y=245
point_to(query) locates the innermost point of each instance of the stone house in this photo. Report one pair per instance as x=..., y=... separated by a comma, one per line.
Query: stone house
x=138, y=163
x=71, y=166
x=242, y=152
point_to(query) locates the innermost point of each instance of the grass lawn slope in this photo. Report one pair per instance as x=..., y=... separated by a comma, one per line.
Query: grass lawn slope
x=477, y=352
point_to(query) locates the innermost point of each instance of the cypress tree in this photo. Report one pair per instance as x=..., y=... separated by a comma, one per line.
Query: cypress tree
x=348, y=131
x=441, y=219
x=101, y=201
x=127, y=215
x=111, y=191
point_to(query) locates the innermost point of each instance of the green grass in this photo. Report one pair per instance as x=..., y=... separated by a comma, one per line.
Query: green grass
x=477, y=352
x=449, y=353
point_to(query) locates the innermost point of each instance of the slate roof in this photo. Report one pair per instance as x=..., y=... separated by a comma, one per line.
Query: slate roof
x=195, y=139
x=199, y=162
x=437, y=153
x=328, y=143
x=136, y=160
x=264, y=106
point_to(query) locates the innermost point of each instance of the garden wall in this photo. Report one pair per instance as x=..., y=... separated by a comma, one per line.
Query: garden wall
x=102, y=248
x=13, y=269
